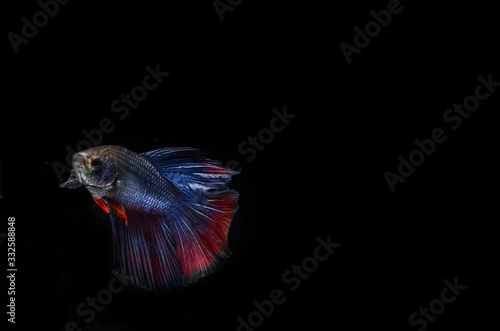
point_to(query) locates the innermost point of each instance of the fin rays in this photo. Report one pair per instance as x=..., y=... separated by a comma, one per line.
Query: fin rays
x=168, y=249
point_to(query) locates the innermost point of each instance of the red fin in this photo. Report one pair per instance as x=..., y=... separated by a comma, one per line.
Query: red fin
x=120, y=212
x=101, y=204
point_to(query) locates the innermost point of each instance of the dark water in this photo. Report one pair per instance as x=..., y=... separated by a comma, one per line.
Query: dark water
x=267, y=90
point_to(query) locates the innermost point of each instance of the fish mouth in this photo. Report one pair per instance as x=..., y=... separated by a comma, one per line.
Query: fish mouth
x=72, y=182
x=75, y=179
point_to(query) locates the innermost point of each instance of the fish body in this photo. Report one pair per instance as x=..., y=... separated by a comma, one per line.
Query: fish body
x=170, y=211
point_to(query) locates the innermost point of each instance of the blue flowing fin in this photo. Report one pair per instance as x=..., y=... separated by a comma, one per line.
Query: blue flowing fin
x=190, y=170
x=145, y=251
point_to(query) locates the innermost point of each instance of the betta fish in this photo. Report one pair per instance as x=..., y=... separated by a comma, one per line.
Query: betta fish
x=170, y=211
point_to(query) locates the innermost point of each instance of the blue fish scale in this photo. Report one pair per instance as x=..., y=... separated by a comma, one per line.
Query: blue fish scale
x=142, y=187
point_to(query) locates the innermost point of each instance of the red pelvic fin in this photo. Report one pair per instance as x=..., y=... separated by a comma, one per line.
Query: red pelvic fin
x=119, y=211
x=116, y=209
x=101, y=204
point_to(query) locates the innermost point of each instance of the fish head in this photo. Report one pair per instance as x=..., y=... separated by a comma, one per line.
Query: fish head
x=92, y=167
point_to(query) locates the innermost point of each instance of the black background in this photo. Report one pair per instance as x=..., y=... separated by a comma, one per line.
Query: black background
x=321, y=176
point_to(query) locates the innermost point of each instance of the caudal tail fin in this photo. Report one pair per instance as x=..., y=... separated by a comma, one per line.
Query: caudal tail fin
x=200, y=231
x=200, y=224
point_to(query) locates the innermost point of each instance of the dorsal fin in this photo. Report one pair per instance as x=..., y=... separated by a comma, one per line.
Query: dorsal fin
x=189, y=169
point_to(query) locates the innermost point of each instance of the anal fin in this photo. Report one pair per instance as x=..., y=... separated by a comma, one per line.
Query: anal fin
x=145, y=252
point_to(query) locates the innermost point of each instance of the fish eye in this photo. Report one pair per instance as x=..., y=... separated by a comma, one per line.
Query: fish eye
x=96, y=163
